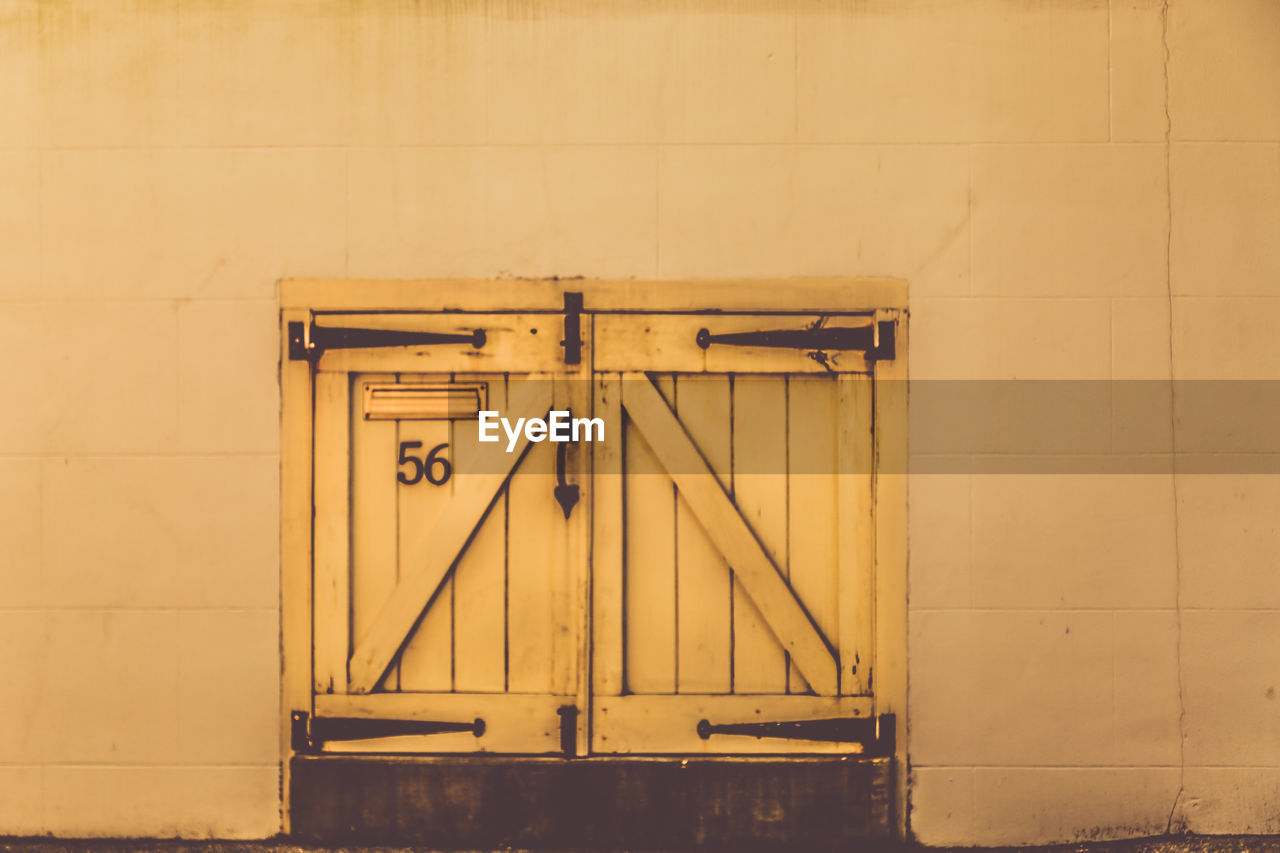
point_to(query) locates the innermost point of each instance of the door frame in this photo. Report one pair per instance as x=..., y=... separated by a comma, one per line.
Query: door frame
x=301, y=300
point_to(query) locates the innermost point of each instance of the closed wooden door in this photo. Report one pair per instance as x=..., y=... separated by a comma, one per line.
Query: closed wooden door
x=711, y=590
x=449, y=583
x=733, y=552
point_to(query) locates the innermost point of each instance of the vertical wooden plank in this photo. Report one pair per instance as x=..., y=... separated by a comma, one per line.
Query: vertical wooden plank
x=760, y=492
x=426, y=664
x=704, y=585
x=479, y=579
x=889, y=680
x=566, y=577
x=812, y=504
x=855, y=532
x=332, y=545
x=607, y=541
x=373, y=514
x=295, y=544
x=650, y=566
x=535, y=551
x=572, y=650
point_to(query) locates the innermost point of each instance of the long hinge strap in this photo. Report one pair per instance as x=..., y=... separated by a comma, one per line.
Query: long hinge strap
x=310, y=342
x=876, y=734
x=876, y=341
x=314, y=732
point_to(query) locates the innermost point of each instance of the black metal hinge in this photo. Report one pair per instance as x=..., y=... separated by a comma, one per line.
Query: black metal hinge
x=311, y=733
x=876, y=734
x=877, y=340
x=308, y=342
x=572, y=342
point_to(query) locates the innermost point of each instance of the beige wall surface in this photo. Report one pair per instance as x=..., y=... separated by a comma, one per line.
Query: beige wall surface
x=1076, y=189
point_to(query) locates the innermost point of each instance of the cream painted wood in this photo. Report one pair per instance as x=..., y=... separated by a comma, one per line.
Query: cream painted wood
x=855, y=538
x=480, y=578
x=573, y=649
x=537, y=544
x=511, y=723
x=514, y=343
x=670, y=625
x=812, y=567
x=608, y=543
x=777, y=603
x=760, y=663
x=777, y=443
x=803, y=295
x=480, y=600
x=459, y=640
x=668, y=343
x=669, y=724
x=426, y=662
x=648, y=524
x=434, y=549
x=704, y=584
x=332, y=499
x=374, y=514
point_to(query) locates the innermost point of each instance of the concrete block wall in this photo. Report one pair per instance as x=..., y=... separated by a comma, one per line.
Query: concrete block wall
x=1076, y=189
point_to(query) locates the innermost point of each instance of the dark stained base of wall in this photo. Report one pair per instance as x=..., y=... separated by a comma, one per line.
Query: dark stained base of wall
x=655, y=803
x=1165, y=844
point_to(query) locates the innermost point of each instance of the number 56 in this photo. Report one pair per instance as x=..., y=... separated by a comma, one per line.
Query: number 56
x=435, y=468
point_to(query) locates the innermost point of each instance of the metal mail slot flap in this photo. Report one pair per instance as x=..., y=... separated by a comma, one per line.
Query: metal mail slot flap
x=436, y=401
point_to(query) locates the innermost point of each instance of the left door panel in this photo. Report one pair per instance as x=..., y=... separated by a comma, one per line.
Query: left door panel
x=443, y=565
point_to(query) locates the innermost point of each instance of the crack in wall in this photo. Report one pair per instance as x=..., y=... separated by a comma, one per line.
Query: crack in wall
x=1173, y=425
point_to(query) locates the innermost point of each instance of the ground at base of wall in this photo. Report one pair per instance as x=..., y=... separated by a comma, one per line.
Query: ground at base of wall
x=1176, y=844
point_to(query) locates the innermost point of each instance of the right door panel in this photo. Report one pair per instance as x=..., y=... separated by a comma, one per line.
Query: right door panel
x=733, y=558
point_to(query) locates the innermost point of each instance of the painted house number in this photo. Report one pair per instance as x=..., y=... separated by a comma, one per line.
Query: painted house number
x=435, y=469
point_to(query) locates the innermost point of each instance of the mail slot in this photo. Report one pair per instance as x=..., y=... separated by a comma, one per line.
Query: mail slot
x=423, y=402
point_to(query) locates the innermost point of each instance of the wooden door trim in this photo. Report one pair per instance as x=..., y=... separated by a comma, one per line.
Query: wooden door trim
x=668, y=343
x=513, y=722
x=513, y=343
x=332, y=593
x=668, y=723
x=608, y=543
x=772, y=296
x=296, y=617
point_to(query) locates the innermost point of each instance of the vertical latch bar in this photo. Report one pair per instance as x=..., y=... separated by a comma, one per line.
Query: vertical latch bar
x=572, y=342
x=568, y=730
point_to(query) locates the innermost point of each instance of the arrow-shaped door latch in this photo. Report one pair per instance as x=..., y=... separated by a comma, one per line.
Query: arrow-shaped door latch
x=566, y=493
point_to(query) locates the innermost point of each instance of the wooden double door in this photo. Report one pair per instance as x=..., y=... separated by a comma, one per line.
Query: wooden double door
x=699, y=578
